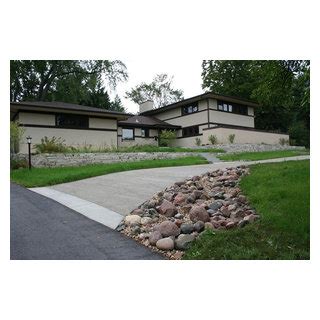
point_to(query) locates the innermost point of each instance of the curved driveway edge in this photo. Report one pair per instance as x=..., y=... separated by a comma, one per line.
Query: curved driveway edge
x=43, y=229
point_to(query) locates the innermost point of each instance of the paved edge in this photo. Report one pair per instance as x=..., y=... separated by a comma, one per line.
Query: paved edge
x=89, y=209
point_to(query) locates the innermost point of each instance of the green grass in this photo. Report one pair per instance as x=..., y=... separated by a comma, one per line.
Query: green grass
x=39, y=177
x=280, y=193
x=262, y=155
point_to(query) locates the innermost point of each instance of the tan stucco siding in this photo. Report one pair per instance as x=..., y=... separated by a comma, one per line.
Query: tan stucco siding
x=244, y=136
x=168, y=114
x=138, y=140
x=101, y=123
x=231, y=118
x=72, y=137
x=190, y=119
x=187, y=142
x=213, y=104
x=37, y=118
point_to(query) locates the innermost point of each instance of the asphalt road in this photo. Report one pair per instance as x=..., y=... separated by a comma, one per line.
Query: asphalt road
x=43, y=229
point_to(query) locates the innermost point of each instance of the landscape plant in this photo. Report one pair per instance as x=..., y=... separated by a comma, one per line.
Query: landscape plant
x=231, y=138
x=198, y=142
x=213, y=139
x=53, y=145
x=16, y=133
x=166, y=138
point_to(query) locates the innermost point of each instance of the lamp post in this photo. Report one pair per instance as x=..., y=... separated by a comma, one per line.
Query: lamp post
x=29, y=150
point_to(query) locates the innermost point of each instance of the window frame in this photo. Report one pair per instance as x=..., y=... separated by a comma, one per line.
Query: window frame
x=128, y=139
x=146, y=132
x=193, y=107
x=82, y=118
x=230, y=107
x=191, y=131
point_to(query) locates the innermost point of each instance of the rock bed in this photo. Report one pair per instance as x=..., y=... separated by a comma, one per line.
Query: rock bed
x=173, y=218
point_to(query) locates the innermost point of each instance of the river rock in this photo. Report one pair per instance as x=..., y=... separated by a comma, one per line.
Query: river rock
x=168, y=228
x=184, y=241
x=186, y=228
x=154, y=237
x=167, y=209
x=132, y=220
x=198, y=226
x=199, y=213
x=165, y=244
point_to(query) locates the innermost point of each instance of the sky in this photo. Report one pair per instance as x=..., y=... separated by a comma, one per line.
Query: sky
x=186, y=76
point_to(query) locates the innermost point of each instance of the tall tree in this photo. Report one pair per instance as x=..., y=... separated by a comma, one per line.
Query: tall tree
x=160, y=91
x=73, y=81
x=281, y=87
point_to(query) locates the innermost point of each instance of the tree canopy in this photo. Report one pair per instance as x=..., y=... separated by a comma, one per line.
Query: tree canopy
x=160, y=91
x=74, y=81
x=281, y=87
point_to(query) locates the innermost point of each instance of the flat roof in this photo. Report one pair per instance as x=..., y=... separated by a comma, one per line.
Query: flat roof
x=57, y=106
x=206, y=95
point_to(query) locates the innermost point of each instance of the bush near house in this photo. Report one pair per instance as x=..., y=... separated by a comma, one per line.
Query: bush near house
x=213, y=139
x=53, y=145
x=198, y=142
x=166, y=137
x=16, y=133
x=231, y=138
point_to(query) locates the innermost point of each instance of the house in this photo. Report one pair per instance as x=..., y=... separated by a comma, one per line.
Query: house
x=200, y=116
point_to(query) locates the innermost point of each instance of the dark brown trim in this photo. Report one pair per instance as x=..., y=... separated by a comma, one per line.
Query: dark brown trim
x=207, y=110
x=54, y=127
x=15, y=116
x=151, y=126
x=209, y=95
x=58, y=112
x=218, y=125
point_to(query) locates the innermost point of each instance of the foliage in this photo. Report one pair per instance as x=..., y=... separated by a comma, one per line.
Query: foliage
x=231, y=138
x=213, y=139
x=283, y=141
x=281, y=87
x=16, y=133
x=299, y=134
x=280, y=193
x=73, y=81
x=39, y=177
x=198, y=142
x=160, y=91
x=18, y=163
x=252, y=156
x=166, y=137
x=53, y=145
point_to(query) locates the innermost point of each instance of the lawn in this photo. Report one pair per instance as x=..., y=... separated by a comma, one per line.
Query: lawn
x=251, y=156
x=39, y=177
x=280, y=193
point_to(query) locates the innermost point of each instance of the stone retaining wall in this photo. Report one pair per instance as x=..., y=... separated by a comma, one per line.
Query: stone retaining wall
x=78, y=159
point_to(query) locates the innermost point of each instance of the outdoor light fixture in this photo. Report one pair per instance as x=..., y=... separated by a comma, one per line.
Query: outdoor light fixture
x=29, y=150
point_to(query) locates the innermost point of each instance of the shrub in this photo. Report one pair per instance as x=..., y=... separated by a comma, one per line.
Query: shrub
x=299, y=135
x=166, y=137
x=51, y=145
x=16, y=133
x=213, y=139
x=283, y=141
x=231, y=138
x=18, y=163
x=198, y=142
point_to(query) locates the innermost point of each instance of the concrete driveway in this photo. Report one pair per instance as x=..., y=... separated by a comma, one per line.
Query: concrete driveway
x=108, y=198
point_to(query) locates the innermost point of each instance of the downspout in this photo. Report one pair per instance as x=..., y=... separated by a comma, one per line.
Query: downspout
x=208, y=112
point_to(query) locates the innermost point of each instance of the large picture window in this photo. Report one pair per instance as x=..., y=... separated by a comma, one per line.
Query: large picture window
x=190, y=131
x=127, y=134
x=232, y=107
x=190, y=108
x=76, y=121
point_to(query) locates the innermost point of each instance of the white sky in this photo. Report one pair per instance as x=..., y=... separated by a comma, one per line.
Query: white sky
x=186, y=76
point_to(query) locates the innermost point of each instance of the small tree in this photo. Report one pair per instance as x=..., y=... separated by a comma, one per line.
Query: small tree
x=231, y=138
x=166, y=137
x=16, y=133
x=213, y=139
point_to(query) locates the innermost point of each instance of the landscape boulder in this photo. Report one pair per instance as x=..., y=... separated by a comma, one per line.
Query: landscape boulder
x=167, y=209
x=133, y=219
x=165, y=244
x=168, y=228
x=184, y=241
x=199, y=213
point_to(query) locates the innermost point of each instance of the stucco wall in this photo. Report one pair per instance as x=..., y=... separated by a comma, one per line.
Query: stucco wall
x=37, y=118
x=101, y=123
x=244, y=136
x=231, y=118
x=139, y=140
x=72, y=137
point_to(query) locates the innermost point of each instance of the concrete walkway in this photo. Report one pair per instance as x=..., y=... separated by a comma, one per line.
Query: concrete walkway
x=122, y=192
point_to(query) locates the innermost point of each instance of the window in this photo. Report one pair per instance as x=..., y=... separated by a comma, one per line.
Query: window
x=127, y=134
x=191, y=108
x=72, y=121
x=232, y=107
x=145, y=133
x=190, y=131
